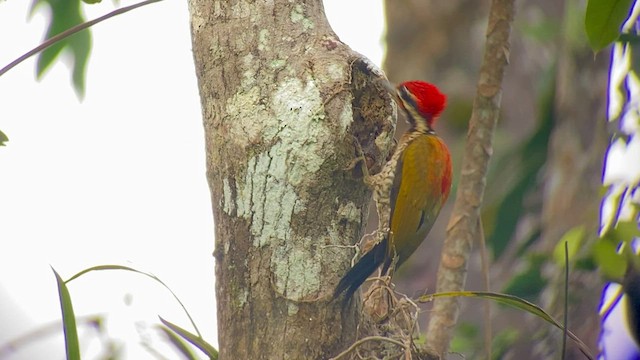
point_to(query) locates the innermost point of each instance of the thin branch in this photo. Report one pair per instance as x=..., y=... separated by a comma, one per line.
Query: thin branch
x=462, y=229
x=565, y=319
x=65, y=34
x=369, y=338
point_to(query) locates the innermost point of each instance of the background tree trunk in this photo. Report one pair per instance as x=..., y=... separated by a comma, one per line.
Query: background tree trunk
x=282, y=98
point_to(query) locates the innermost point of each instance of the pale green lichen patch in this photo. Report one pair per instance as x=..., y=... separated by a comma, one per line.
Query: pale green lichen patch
x=277, y=64
x=245, y=105
x=249, y=74
x=299, y=139
x=346, y=116
x=296, y=271
x=243, y=296
x=297, y=16
x=228, y=204
x=292, y=308
x=279, y=199
x=349, y=211
x=263, y=40
x=241, y=9
x=335, y=71
x=266, y=199
x=299, y=108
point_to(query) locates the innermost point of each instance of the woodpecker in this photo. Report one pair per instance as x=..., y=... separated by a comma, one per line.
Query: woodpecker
x=415, y=183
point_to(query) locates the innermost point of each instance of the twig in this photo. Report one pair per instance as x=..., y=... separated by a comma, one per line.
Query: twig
x=363, y=340
x=463, y=224
x=65, y=34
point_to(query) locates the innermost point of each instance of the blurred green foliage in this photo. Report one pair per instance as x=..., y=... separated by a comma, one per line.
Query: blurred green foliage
x=65, y=14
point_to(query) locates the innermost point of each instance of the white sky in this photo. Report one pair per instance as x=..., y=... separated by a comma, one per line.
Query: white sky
x=116, y=179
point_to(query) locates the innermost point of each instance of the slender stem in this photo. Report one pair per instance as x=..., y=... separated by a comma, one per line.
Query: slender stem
x=76, y=29
x=565, y=319
x=484, y=257
x=463, y=228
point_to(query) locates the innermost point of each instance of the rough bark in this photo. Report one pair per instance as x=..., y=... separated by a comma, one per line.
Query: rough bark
x=464, y=224
x=282, y=98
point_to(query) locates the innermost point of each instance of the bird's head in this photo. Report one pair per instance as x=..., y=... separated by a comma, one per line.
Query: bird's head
x=423, y=103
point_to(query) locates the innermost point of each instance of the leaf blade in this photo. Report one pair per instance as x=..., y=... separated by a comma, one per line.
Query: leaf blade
x=71, y=343
x=197, y=341
x=514, y=302
x=603, y=21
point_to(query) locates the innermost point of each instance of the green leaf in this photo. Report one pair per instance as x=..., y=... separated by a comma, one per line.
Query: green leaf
x=181, y=346
x=574, y=239
x=612, y=264
x=64, y=15
x=197, y=341
x=603, y=21
x=515, y=302
x=627, y=230
x=3, y=139
x=126, y=268
x=71, y=342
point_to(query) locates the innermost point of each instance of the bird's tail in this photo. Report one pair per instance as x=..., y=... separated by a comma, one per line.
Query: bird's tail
x=357, y=275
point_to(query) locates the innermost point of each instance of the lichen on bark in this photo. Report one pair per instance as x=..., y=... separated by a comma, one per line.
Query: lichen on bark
x=282, y=100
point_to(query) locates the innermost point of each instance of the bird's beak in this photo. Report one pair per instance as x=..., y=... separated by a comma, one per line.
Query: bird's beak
x=388, y=87
x=392, y=90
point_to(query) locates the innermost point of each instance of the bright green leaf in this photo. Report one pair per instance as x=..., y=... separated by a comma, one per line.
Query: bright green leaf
x=604, y=20
x=71, y=342
x=627, y=230
x=612, y=264
x=574, y=239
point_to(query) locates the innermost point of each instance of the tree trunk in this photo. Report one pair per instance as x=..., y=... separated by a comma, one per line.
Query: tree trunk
x=282, y=100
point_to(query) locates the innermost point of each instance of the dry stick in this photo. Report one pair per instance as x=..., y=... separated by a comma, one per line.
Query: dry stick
x=65, y=34
x=463, y=224
x=364, y=340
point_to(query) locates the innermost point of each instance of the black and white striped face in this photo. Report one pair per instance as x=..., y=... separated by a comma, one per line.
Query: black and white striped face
x=409, y=103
